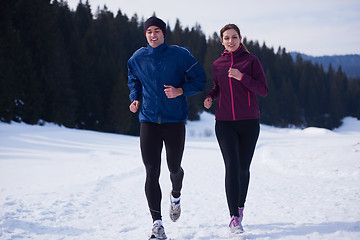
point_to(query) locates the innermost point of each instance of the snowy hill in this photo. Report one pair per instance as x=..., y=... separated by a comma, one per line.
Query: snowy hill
x=59, y=183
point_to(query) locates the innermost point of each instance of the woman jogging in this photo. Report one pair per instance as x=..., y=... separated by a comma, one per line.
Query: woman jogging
x=238, y=77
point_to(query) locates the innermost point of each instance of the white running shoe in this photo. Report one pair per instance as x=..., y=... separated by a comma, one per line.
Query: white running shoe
x=158, y=231
x=235, y=225
x=175, y=209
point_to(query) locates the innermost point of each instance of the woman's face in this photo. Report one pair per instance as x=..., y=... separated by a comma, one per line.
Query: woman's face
x=154, y=36
x=231, y=40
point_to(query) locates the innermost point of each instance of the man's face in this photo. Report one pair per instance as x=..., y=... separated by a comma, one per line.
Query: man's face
x=154, y=36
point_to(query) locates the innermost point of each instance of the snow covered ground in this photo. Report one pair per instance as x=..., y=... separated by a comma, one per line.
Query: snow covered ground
x=59, y=183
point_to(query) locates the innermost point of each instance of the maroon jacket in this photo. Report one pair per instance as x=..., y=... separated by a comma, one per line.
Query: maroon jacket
x=237, y=99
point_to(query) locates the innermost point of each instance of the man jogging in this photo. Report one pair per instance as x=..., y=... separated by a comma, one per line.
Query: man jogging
x=160, y=77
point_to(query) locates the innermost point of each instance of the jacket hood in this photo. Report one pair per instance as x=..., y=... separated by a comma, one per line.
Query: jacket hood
x=158, y=49
x=240, y=50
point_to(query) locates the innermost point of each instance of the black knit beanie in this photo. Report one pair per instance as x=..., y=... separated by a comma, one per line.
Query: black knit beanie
x=154, y=21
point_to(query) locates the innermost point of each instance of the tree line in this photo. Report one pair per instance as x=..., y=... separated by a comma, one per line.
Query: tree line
x=69, y=67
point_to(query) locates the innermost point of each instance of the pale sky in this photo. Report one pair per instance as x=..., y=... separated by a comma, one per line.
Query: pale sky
x=313, y=27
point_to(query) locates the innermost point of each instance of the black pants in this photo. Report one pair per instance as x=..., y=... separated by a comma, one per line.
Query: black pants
x=152, y=137
x=237, y=141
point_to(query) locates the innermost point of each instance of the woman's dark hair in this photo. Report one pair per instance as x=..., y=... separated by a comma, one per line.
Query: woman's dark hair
x=232, y=26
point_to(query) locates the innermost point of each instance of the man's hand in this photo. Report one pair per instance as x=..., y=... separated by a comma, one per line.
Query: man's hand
x=172, y=92
x=134, y=106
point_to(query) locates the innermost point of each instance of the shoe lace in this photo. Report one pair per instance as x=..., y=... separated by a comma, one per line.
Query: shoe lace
x=234, y=222
x=157, y=228
x=175, y=206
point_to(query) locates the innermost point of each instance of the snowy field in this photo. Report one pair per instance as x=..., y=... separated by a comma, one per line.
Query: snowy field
x=59, y=183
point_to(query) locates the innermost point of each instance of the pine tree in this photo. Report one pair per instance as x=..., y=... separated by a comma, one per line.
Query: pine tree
x=70, y=68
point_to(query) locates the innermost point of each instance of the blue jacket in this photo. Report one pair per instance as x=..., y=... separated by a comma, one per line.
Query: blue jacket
x=149, y=69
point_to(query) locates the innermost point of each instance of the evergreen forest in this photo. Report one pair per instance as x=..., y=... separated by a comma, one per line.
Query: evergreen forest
x=69, y=67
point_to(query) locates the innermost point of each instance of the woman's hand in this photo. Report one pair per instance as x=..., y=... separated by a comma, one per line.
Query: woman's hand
x=134, y=106
x=235, y=73
x=208, y=102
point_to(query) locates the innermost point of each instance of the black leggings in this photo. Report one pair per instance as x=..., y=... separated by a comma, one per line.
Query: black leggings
x=152, y=137
x=237, y=141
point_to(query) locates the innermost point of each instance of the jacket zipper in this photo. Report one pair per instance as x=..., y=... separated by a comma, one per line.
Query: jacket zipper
x=231, y=90
x=220, y=101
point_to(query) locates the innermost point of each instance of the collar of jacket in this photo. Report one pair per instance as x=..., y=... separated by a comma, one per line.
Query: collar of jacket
x=158, y=49
x=239, y=50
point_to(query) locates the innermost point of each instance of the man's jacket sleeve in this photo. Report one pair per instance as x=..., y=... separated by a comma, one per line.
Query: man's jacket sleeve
x=134, y=85
x=196, y=78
